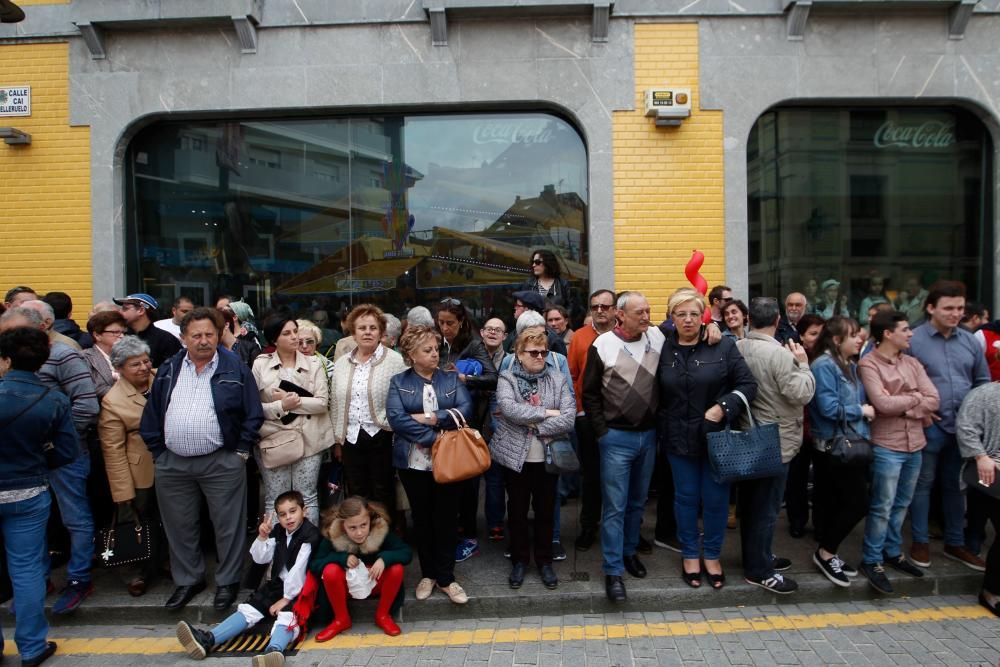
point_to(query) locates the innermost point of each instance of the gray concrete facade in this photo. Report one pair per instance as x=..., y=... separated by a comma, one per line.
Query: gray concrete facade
x=323, y=57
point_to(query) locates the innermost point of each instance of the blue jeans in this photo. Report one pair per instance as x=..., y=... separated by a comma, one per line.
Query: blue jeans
x=940, y=459
x=69, y=484
x=694, y=488
x=759, y=503
x=627, y=459
x=894, y=480
x=23, y=527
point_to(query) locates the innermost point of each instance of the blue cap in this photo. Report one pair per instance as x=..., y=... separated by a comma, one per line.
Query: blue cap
x=144, y=299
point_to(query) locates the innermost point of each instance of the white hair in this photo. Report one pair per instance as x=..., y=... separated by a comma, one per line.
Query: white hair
x=419, y=316
x=529, y=318
x=41, y=307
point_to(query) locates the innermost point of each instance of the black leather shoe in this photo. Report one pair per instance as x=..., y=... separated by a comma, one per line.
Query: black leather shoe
x=184, y=594
x=548, y=575
x=225, y=596
x=585, y=539
x=615, y=588
x=644, y=546
x=634, y=566
x=516, y=577
x=50, y=649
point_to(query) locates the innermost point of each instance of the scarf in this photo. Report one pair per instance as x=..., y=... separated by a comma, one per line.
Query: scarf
x=527, y=383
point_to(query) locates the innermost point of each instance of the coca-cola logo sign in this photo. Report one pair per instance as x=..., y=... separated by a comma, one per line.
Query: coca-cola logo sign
x=929, y=134
x=516, y=132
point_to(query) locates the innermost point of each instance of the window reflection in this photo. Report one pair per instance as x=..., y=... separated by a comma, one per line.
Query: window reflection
x=323, y=214
x=857, y=206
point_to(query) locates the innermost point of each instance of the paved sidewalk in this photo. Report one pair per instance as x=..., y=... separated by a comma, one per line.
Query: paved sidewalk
x=925, y=631
x=581, y=585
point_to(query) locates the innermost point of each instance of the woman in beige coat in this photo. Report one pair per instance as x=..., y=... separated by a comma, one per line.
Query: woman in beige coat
x=296, y=429
x=126, y=459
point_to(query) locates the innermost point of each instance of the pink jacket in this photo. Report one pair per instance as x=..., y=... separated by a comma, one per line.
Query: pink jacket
x=904, y=399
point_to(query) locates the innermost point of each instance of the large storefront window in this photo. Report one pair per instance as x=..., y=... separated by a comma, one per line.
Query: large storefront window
x=321, y=214
x=880, y=201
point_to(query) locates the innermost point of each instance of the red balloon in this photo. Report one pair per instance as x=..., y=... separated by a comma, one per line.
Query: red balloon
x=691, y=272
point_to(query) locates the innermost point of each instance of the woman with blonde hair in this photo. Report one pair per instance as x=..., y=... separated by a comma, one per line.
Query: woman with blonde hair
x=699, y=386
x=535, y=406
x=417, y=409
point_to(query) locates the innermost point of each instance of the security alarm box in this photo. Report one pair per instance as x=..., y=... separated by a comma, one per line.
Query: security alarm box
x=668, y=103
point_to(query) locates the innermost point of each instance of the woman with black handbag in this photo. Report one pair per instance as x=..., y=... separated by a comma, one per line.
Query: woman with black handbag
x=129, y=465
x=839, y=408
x=534, y=402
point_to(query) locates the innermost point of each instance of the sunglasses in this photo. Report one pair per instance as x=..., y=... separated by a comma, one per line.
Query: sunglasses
x=450, y=301
x=600, y=307
x=537, y=353
x=536, y=262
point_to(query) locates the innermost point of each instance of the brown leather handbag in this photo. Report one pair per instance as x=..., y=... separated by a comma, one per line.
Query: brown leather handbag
x=460, y=454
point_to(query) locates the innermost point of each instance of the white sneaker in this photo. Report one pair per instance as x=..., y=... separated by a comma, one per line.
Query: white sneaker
x=424, y=588
x=455, y=592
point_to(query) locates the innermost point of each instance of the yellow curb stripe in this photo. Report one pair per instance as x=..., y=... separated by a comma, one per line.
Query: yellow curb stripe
x=834, y=620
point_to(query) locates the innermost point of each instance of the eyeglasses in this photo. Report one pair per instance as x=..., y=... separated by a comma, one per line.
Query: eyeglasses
x=536, y=262
x=494, y=330
x=537, y=353
x=688, y=316
x=449, y=301
x=307, y=341
x=114, y=332
x=600, y=307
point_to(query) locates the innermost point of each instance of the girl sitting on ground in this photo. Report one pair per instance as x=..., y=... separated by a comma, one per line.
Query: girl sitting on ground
x=288, y=547
x=360, y=553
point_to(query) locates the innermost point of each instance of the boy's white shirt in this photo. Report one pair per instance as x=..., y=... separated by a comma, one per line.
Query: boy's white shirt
x=262, y=552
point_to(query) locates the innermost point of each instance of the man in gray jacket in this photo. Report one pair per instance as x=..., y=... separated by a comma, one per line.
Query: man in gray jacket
x=784, y=386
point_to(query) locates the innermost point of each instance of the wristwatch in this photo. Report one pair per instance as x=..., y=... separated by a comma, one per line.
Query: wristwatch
x=243, y=455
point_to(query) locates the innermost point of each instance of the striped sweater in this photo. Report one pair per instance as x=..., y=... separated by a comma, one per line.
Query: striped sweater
x=67, y=371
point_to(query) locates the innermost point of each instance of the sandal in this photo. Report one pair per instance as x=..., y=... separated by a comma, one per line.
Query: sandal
x=717, y=581
x=692, y=579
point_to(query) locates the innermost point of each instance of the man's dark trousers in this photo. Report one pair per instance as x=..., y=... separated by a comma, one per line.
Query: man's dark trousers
x=759, y=501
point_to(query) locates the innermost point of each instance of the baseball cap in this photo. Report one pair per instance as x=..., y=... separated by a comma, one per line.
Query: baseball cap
x=144, y=299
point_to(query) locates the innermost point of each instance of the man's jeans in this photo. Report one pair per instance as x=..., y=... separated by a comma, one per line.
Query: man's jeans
x=69, y=484
x=627, y=460
x=894, y=480
x=495, y=502
x=759, y=503
x=23, y=526
x=940, y=459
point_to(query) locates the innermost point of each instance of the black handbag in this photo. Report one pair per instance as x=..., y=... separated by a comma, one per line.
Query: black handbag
x=737, y=456
x=970, y=475
x=560, y=457
x=126, y=543
x=847, y=448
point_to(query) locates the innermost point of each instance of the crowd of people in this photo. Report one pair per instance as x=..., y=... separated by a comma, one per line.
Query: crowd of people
x=325, y=459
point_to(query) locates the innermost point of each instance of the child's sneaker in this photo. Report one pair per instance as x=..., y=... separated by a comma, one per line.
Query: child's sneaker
x=269, y=659
x=197, y=643
x=465, y=550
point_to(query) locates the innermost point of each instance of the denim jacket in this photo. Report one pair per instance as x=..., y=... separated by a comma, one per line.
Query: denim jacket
x=837, y=399
x=406, y=397
x=24, y=460
x=234, y=395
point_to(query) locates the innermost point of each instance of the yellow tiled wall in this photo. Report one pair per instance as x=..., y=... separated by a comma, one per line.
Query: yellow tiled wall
x=668, y=181
x=45, y=187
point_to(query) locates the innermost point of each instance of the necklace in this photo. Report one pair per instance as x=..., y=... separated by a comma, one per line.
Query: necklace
x=644, y=352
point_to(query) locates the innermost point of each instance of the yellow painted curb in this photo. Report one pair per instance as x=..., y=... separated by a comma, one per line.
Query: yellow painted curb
x=163, y=645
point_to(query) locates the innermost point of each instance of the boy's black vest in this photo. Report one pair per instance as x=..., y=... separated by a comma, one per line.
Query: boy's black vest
x=285, y=554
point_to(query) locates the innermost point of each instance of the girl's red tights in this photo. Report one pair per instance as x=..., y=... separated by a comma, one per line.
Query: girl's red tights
x=335, y=583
